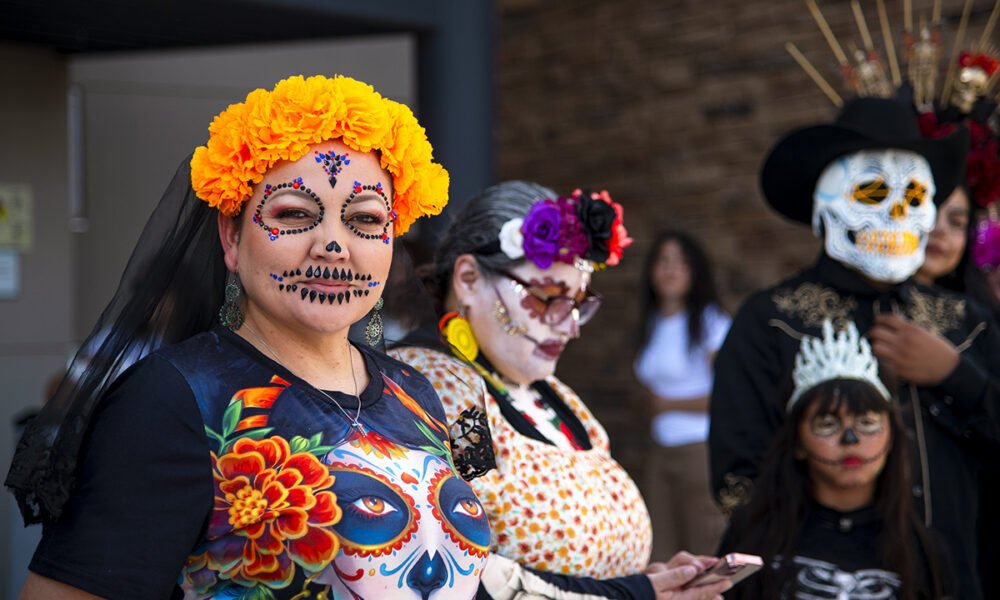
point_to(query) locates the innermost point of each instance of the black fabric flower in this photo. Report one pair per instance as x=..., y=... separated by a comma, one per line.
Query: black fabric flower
x=597, y=217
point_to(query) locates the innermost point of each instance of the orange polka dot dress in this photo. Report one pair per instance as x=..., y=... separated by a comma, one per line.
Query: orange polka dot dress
x=572, y=512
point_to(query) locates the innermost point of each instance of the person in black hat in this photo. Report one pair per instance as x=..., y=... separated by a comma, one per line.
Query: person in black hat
x=868, y=184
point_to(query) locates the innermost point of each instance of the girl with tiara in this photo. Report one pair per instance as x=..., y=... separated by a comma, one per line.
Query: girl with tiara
x=831, y=512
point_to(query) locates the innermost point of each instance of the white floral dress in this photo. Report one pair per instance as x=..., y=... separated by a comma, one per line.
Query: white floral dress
x=573, y=512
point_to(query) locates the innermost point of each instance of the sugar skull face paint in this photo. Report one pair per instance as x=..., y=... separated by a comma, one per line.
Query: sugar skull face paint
x=290, y=277
x=546, y=300
x=366, y=225
x=322, y=274
x=547, y=287
x=875, y=210
x=522, y=347
x=288, y=214
x=410, y=527
x=843, y=450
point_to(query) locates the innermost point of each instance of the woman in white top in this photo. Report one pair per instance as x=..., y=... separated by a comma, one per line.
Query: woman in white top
x=682, y=328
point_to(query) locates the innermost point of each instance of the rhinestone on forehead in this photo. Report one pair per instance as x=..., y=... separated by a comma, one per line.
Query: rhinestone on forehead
x=332, y=164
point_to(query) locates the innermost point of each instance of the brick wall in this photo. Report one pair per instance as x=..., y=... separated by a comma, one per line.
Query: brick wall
x=671, y=105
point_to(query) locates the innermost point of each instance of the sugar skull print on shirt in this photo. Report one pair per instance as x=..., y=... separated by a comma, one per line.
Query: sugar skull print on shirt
x=306, y=506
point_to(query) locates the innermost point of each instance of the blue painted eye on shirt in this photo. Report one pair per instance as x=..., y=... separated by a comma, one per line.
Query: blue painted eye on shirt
x=376, y=516
x=463, y=513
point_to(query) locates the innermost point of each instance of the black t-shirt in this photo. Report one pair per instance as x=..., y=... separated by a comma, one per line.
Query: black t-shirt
x=143, y=491
x=212, y=471
x=836, y=557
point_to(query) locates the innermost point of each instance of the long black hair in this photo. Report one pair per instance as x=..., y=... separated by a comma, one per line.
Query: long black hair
x=700, y=296
x=771, y=523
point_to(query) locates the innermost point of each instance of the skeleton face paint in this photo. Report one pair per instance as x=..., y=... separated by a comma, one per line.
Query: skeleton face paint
x=875, y=210
x=289, y=276
x=523, y=348
x=410, y=527
x=844, y=452
x=548, y=287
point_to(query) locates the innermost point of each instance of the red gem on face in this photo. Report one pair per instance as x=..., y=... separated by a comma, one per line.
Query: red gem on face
x=274, y=231
x=357, y=189
x=295, y=184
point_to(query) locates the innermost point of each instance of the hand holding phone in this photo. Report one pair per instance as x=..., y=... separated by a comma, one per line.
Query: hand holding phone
x=735, y=567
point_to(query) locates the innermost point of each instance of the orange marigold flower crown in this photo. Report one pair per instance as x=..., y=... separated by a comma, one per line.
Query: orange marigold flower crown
x=249, y=138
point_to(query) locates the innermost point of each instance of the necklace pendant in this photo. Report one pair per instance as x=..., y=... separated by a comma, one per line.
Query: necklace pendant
x=361, y=428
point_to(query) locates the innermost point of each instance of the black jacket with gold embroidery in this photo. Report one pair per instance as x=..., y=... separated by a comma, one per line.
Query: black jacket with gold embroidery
x=952, y=424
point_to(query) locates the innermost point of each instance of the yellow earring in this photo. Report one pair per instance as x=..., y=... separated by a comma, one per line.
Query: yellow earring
x=457, y=331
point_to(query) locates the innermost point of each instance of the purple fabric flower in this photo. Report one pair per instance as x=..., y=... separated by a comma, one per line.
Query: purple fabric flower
x=986, y=247
x=541, y=229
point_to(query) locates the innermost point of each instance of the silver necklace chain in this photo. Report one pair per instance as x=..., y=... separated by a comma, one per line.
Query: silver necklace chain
x=355, y=423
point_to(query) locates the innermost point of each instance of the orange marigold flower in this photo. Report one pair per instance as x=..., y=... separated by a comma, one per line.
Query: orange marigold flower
x=249, y=138
x=273, y=510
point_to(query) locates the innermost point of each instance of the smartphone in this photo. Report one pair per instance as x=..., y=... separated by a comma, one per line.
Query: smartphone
x=736, y=567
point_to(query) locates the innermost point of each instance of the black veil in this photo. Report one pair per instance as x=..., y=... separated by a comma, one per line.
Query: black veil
x=170, y=289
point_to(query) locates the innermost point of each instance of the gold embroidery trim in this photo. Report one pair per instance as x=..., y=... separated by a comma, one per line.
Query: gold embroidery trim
x=813, y=303
x=936, y=314
x=735, y=494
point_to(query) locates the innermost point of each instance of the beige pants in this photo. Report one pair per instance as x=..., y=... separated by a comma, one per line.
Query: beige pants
x=680, y=505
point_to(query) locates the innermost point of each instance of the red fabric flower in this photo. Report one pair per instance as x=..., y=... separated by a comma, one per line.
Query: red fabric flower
x=982, y=169
x=619, y=235
x=931, y=128
x=984, y=61
x=273, y=510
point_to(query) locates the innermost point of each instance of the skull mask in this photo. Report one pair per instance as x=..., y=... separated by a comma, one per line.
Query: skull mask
x=972, y=83
x=874, y=210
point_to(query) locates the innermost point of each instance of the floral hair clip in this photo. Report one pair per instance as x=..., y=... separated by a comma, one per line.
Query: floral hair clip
x=585, y=229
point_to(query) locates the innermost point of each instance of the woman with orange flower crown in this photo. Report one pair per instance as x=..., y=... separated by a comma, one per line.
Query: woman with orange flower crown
x=266, y=455
x=512, y=282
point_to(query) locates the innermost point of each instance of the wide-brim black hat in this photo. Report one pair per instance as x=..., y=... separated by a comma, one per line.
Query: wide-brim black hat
x=796, y=162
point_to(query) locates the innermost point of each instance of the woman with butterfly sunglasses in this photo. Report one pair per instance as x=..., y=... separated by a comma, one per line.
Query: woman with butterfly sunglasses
x=512, y=282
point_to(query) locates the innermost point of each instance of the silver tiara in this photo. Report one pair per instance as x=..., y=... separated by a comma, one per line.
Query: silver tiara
x=837, y=355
